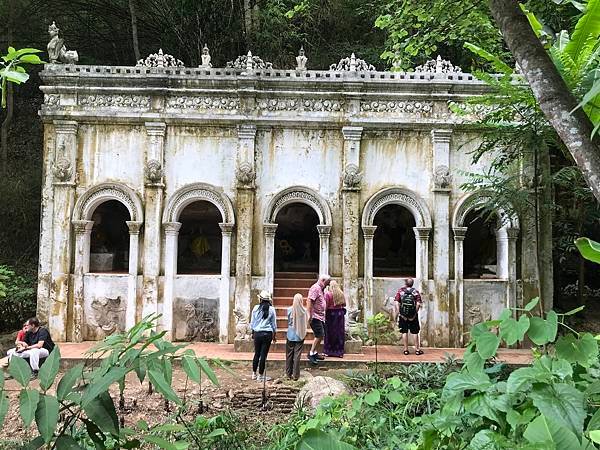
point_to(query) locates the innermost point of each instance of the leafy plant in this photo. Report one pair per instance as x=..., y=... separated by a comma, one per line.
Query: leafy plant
x=589, y=249
x=17, y=297
x=12, y=70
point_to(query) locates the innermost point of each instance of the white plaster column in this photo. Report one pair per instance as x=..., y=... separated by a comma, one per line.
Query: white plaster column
x=422, y=250
x=171, y=236
x=153, y=205
x=441, y=235
x=83, y=231
x=368, y=234
x=269, y=230
x=459, y=286
x=134, y=257
x=224, y=296
x=324, y=233
x=246, y=176
x=351, y=185
x=502, y=253
x=511, y=295
x=64, y=200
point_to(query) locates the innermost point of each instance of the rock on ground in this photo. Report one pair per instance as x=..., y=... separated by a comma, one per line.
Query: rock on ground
x=318, y=388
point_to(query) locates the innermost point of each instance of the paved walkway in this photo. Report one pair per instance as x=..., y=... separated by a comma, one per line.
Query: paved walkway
x=73, y=353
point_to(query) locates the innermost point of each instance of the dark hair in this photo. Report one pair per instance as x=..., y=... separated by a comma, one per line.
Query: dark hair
x=34, y=321
x=264, y=305
x=409, y=282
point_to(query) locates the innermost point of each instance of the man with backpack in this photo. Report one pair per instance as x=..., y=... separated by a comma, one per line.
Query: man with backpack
x=409, y=300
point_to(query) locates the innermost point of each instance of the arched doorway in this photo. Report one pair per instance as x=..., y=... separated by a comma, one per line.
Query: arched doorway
x=296, y=239
x=480, y=246
x=200, y=239
x=109, y=241
x=394, y=243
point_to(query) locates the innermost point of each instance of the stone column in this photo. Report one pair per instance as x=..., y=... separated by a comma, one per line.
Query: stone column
x=324, y=233
x=171, y=236
x=224, y=296
x=502, y=253
x=459, y=286
x=422, y=282
x=153, y=204
x=134, y=257
x=83, y=231
x=351, y=213
x=245, y=175
x=511, y=295
x=368, y=233
x=269, y=230
x=441, y=234
x=61, y=311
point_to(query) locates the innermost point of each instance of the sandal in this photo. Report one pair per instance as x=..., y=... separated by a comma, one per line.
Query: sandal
x=406, y=352
x=419, y=352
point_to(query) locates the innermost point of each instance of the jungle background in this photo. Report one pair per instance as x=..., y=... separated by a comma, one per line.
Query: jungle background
x=391, y=34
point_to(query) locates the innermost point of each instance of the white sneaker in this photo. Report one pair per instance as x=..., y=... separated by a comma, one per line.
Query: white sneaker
x=261, y=378
x=254, y=375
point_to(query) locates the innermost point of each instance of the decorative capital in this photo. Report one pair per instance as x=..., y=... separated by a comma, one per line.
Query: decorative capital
x=245, y=175
x=154, y=172
x=442, y=178
x=155, y=128
x=134, y=226
x=172, y=228
x=65, y=126
x=512, y=233
x=352, y=133
x=226, y=228
x=441, y=136
x=247, y=131
x=422, y=233
x=460, y=233
x=369, y=231
x=324, y=230
x=269, y=229
x=82, y=226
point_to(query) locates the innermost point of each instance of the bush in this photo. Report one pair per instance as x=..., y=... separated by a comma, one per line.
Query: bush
x=19, y=300
x=382, y=331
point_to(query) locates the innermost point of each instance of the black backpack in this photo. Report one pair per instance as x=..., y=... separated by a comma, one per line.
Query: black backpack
x=408, y=303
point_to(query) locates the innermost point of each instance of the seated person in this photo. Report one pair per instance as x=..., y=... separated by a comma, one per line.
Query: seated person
x=19, y=342
x=36, y=345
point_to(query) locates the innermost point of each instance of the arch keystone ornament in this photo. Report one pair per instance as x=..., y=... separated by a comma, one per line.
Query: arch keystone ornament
x=96, y=195
x=198, y=192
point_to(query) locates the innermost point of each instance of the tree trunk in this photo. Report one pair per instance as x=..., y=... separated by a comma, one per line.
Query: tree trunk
x=134, y=31
x=555, y=99
x=546, y=216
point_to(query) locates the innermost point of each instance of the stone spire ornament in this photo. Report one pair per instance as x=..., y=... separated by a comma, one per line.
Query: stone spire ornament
x=438, y=65
x=301, y=60
x=160, y=59
x=57, y=52
x=249, y=63
x=352, y=64
x=205, y=58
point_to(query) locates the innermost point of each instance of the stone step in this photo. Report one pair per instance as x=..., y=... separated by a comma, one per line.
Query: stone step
x=282, y=334
x=299, y=283
x=283, y=301
x=311, y=275
x=289, y=292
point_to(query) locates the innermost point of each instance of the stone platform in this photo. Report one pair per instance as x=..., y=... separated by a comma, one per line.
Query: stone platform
x=386, y=354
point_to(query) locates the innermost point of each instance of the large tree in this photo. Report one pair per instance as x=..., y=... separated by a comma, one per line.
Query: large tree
x=554, y=97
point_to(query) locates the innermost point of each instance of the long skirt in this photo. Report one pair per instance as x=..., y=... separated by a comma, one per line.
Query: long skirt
x=335, y=335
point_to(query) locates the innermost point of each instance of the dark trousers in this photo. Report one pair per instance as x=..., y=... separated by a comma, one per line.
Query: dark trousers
x=262, y=343
x=293, y=350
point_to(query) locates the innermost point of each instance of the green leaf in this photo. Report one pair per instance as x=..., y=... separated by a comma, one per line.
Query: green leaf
x=46, y=416
x=68, y=381
x=480, y=404
x=31, y=59
x=532, y=304
x=49, y=370
x=37, y=443
x=538, y=331
x=595, y=436
x=4, y=404
x=373, y=397
x=589, y=249
x=101, y=411
x=582, y=350
x=460, y=381
x=524, y=376
x=163, y=443
x=395, y=397
x=574, y=311
x=320, y=440
x=562, y=368
x=97, y=386
x=216, y=433
x=487, y=344
x=512, y=330
x=594, y=422
x=20, y=370
x=28, y=402
x=551, y=326
x=587, y=28
x=562, y=403
x=208, y=371
x=533, y=21
x=161, y=385
x=65, y=442
x=14, y=76
x=543, y=430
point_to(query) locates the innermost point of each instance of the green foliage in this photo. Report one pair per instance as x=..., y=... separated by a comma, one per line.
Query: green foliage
x=12, y=70
x=17, y=298
x=589, y=249
x=381, y=330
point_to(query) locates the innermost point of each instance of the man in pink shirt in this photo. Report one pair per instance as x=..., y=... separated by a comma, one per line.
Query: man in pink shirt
x=316, y=314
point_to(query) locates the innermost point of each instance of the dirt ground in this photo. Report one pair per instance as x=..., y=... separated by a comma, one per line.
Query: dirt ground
x=236, y=392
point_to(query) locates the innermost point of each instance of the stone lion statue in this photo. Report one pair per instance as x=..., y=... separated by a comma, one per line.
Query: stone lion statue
x=354, y=329
x=242, y=327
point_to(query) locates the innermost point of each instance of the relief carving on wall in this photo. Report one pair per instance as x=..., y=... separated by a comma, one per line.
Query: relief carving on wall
x=108, y=314
x=199, y=102
x=354, y=329
x=245, y=175
x=201, y=319
x=422, y=109
x=154, y=171
x=242, y=327
x=294, y=104
x=51, y=99
x=63, y=170
x=114, y=101
x=442, y=179
x=352, y=177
